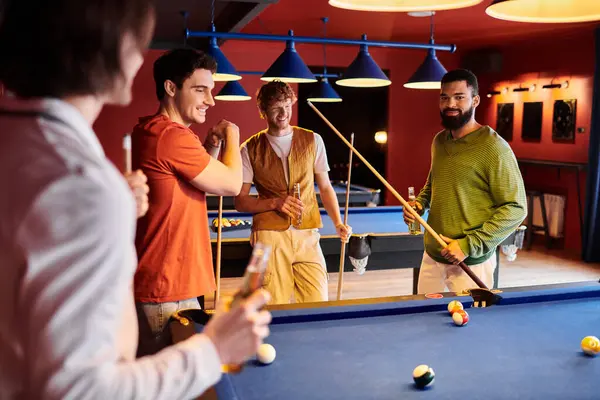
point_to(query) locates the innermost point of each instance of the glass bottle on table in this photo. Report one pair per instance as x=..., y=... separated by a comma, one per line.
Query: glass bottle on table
x=297, y=219
x=251, y=282
x=414, y=228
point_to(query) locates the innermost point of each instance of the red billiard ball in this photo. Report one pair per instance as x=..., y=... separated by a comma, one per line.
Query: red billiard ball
x=460, y=317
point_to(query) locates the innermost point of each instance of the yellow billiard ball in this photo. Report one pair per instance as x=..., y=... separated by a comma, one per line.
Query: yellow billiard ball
x=454, y=305
x=590, y=345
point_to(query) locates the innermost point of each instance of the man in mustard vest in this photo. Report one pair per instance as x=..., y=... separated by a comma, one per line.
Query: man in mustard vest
x=276, y=159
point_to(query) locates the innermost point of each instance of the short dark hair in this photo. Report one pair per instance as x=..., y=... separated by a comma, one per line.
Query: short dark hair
x=273, y=91
x=458, y=75
x=178, y=65
x=67, y=47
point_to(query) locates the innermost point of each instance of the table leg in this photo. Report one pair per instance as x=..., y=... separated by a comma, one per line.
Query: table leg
x=529, y=232
x=497, y=270
x=579, y=207
x=416, y=279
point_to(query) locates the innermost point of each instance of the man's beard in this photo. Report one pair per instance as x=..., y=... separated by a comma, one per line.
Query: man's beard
x=456, y=122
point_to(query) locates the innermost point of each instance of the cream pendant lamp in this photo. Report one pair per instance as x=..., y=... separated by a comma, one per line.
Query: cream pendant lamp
x=403, y=5
x=545, y=11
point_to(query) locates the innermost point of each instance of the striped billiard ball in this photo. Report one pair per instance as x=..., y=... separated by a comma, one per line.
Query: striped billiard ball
x=460, y=317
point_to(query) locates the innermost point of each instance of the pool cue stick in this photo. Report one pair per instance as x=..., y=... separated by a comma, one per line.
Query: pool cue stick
x=343, y=249
x=127, y=152
x=219, y=232
x=218, y=269
x=400, y=199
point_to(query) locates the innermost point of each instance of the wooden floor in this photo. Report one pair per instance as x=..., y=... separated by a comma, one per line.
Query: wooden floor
x=535, y=267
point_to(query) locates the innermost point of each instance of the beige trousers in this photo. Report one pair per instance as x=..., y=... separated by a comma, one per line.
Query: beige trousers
x=296, y=268
x=434, y=277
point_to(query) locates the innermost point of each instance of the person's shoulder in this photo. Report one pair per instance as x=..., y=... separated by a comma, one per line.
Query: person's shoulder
x=440, y=137
x=160, y=125
x=254, y=138
x=300, y=130
x=171, y=135
x=92, y=191
x=318, y=138
x=494, y=141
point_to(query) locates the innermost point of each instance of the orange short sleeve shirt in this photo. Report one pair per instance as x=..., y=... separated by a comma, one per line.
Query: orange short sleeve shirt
x=173, y=239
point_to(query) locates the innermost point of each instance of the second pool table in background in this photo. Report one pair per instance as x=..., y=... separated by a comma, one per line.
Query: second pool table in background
x=392, y=246
x=360, y=196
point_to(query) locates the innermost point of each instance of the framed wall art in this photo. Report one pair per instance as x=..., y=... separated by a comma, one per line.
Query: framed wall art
x=532, y=121
x=563, y=121
x=504, y=120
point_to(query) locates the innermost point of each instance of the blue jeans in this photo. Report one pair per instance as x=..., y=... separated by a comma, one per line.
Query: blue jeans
x=154, y=334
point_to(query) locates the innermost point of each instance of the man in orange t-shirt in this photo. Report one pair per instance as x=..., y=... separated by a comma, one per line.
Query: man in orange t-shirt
x=173, y=240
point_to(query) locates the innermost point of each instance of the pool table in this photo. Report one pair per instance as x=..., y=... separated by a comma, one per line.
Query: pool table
x=391, y=245
x=526, y=347
x=360, y=196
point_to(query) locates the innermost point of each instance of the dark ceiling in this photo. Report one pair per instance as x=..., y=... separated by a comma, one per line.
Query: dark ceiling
x=229, y=16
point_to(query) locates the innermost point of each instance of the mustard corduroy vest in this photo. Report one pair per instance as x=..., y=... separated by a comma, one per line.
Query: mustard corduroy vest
x=270, y=181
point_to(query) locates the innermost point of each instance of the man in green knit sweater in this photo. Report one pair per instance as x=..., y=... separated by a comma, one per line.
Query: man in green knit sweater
x=474, y=192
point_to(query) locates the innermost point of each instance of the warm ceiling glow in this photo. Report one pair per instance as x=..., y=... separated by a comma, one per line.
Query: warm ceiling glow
x=220, y=77
x=424, y=85
x=381, y=137
x=545, y=11
x=232, y=97
x=288, y=80
x=363, y=82
x=324, y=100
x=402, y=5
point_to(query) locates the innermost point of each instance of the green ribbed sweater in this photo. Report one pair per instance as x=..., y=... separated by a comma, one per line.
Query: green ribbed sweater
x=474, y=193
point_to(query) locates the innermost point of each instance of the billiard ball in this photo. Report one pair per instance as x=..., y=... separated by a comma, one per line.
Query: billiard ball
x=423, y=376
x=266, y=353
x=454, y=306
x=590, y=345
x=460, y=317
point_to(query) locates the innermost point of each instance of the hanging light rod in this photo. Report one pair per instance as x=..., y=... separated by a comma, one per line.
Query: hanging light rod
x=318, y=40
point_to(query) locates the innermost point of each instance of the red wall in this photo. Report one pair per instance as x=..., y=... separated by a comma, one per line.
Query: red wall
x=538, y=62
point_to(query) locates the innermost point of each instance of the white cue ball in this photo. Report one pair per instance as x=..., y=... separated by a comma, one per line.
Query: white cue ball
x=266, y=353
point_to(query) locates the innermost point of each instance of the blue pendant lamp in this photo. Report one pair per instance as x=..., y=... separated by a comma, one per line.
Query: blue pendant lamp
x=232, y=91
x=289, y=66
x=430, y=73
x=364, y=71
x=324, y=93
x=545, y=11
x=225, y=70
